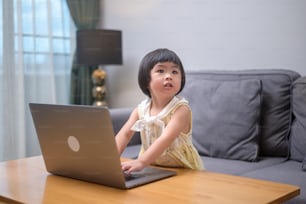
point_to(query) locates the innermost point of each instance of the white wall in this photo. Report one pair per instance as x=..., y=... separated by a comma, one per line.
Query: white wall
x=206, y=34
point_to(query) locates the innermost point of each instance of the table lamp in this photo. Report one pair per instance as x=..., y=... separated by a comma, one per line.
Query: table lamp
x=95, y=48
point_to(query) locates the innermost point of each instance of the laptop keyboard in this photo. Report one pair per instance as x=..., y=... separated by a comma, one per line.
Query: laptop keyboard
x=132, y=176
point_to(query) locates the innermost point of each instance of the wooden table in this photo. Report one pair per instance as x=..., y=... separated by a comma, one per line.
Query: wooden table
x=26, y=181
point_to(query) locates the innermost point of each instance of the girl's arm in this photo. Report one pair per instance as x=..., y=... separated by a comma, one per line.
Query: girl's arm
x=180, y=122
x=125, y=134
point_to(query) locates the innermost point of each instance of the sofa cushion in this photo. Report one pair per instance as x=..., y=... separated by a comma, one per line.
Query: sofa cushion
x=119, y=117
x=238, y=167
x=275, y=122
x=226, y=117
x=298, y=130
x=131, y=151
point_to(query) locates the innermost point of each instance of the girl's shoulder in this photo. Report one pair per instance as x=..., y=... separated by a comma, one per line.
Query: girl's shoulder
x=178, y=102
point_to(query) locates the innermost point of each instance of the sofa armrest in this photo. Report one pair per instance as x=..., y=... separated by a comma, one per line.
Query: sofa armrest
x=119, y=117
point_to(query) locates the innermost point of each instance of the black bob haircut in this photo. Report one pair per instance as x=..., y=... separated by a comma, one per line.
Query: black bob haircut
x=150, y=60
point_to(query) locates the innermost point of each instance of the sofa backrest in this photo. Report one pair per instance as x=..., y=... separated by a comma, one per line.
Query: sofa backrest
x=270, y=116
x=298, y=130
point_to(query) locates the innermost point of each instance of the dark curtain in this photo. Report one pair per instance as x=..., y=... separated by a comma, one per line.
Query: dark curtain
x=85, y=14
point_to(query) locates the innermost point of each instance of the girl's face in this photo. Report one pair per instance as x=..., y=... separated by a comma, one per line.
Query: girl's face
x=165, y=79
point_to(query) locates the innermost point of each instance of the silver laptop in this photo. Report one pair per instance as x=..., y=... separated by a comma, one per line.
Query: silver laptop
x=79, y=142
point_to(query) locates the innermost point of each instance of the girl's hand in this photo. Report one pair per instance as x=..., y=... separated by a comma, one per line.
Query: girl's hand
x=133, y=165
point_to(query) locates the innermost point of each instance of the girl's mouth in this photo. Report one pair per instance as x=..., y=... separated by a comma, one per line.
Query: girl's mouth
x=168, y=85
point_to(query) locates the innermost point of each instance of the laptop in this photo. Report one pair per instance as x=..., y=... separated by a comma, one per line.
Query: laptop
x=78, y=142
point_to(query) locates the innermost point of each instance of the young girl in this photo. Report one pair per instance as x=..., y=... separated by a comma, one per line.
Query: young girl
x=164, y=119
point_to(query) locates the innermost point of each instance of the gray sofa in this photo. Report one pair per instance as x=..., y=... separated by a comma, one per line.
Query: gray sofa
x=249, y=123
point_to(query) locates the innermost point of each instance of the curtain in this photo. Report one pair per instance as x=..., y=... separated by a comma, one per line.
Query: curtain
x=35, y=62
x=85, y=15
x=11, y=109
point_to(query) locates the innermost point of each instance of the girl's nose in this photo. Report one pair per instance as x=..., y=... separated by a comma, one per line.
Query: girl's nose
x=168, y=76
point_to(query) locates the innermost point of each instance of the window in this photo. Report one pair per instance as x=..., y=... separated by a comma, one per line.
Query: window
x=46, y=33
x=37, y=39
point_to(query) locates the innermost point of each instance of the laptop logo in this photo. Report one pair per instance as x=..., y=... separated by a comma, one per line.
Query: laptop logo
x=73, y=143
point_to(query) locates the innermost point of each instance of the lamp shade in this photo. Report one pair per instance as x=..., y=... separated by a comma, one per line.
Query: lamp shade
x=99, y=47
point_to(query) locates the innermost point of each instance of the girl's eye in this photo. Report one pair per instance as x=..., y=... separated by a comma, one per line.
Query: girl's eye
x=175, y=72
x=160, y=71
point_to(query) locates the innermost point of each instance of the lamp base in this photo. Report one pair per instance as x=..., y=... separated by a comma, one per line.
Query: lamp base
x=99, y=89
x=100, y=103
